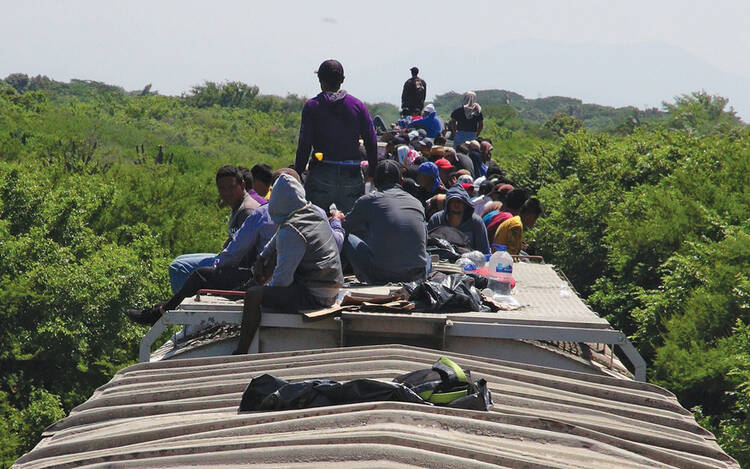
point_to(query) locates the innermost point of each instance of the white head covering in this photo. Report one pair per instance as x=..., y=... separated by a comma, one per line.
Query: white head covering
x=402, y=151
x=465, y=179
x=471, y=108
x=428, y=109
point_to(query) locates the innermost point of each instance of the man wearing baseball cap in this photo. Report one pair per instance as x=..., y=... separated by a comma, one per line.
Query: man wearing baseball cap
x=332, y=124
x=413, y=94
x=446, y=168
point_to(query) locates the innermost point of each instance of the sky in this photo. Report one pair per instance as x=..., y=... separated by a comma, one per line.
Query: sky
x=636, y=53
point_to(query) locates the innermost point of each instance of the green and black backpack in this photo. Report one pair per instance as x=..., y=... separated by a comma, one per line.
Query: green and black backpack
x=447, y=384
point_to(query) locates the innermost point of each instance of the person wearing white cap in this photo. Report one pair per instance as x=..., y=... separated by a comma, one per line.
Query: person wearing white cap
x=430, y=122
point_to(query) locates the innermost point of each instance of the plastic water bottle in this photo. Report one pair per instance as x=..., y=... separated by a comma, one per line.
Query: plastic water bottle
x=500, y=260
x=476, y=257
x=466, y=264
x=499, y=270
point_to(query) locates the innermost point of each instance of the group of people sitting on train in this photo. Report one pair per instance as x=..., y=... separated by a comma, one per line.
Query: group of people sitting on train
x=290, y=242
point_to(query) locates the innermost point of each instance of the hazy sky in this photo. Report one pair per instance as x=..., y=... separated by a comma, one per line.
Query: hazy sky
x=612, y=53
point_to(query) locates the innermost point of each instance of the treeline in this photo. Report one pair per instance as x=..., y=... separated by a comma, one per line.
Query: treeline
x=539, y=110
x=100, y=188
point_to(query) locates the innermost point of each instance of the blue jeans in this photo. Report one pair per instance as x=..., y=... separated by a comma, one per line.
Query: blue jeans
x=184, y=265
x=340, y=184
x=463, y=136
x=360, y=256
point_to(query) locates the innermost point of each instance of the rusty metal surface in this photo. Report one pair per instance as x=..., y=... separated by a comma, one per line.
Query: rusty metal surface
x=178, y=413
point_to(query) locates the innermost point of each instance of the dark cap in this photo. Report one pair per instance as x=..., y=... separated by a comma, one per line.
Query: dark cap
x=414, y=70
x=331, y=71
x=387, y=173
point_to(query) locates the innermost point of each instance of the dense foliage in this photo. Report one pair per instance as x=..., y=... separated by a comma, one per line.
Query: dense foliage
x=100, y=188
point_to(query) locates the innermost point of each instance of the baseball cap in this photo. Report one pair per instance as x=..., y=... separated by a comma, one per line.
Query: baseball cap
x=442, y=163
x=331, y=71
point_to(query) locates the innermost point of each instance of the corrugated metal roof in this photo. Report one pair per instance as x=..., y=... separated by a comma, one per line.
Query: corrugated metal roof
x=184, y=413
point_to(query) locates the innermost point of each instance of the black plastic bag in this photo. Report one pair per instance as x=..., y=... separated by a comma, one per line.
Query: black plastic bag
x=267, y=392
x=445, y=294
x=447, y=242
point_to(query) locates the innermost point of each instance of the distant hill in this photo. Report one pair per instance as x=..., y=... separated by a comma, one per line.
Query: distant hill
x=495, y=103
x=594, y=116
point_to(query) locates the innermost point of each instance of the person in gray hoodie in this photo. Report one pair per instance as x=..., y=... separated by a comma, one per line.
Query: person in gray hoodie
x=459, y=213
x=307, y=273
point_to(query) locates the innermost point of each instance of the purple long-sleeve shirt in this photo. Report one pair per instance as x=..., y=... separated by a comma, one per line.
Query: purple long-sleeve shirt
x=332, y=124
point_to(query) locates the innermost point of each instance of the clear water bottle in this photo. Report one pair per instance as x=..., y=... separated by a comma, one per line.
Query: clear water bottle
x=500, y=260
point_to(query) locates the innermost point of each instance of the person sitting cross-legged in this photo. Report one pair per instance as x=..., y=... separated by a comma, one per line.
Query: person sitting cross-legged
x=386, y=234
x=307, y=272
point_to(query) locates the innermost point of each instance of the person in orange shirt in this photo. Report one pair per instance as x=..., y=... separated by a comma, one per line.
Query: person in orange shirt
x=510, y=232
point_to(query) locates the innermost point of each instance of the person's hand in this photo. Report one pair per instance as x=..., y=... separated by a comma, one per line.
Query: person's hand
x=263, y=269
x=338, y=214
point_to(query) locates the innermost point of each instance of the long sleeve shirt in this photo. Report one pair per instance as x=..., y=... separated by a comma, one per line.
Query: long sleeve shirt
x=254, y=233
x=332, y=124
x=392, y=223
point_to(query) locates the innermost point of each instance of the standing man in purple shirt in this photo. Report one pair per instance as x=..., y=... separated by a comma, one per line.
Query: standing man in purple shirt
x=332, y=124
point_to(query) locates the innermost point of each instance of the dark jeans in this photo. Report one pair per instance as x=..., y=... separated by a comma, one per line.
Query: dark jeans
x=328, y=184
x=209, y=277
x=361, y=257
x=289, y=299
x=282, y=299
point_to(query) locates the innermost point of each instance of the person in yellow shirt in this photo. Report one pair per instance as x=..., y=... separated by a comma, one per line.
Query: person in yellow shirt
x=510, y=232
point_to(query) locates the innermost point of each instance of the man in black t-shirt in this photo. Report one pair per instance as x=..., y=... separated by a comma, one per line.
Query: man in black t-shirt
x=413, y=95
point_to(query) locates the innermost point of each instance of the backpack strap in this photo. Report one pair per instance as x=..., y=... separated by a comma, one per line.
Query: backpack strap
x=450, y=372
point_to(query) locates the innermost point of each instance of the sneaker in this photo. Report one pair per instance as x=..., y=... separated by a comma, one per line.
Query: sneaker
x=147, y=316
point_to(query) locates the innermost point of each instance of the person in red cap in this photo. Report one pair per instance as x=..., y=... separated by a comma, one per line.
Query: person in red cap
x=445, y=168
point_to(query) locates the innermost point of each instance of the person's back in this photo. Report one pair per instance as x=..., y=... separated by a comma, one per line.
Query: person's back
x=335, y=121
x=387, y=238
x=510, y=232
x=307, y=236
x=413, y=94
x=510, y=208
x=392, y=223
x=332, y=124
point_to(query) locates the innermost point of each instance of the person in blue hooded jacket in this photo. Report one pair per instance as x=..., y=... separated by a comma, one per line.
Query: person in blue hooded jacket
x=459, y=213
x=430, y=122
